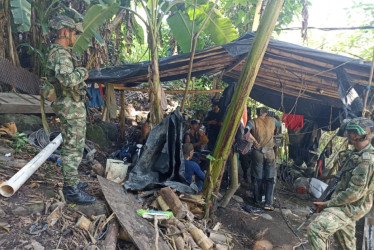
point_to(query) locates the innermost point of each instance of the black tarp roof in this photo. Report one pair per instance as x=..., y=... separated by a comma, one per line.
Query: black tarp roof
x=292, y=78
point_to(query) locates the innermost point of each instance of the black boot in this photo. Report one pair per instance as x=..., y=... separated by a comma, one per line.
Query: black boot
x=257, y=188
x=82, y=185
x=269, y=194
x=74, y=195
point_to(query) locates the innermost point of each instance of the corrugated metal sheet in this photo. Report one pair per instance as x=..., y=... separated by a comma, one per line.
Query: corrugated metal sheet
x=18, y=77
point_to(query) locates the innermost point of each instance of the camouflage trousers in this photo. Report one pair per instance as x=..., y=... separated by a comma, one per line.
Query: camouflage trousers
x=73, y=134
x=332, y=221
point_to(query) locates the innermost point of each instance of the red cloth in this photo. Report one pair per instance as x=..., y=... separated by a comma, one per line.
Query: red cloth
x=293, y=122
x=101, y=91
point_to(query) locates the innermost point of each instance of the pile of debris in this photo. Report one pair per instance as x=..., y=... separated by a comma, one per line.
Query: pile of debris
x=181, y=228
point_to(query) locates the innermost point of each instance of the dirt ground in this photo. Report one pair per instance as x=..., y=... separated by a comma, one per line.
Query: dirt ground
x=24, y=216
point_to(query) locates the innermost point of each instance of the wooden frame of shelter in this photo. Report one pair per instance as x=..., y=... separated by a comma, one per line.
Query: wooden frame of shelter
x=292, y=78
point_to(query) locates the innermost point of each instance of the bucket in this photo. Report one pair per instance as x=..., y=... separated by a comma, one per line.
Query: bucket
x=317, y=187
x=116, y=170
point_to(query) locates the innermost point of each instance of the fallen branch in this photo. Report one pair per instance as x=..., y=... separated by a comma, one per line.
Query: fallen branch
x=110, y=241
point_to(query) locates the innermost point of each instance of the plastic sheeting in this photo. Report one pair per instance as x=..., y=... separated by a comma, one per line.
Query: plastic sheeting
x=161, y=163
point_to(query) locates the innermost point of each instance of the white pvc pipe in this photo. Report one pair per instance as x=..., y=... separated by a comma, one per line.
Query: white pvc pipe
x=8, y=188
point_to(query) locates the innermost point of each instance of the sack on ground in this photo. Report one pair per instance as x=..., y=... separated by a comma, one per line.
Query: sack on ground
x=47, y=90
x=243, y=145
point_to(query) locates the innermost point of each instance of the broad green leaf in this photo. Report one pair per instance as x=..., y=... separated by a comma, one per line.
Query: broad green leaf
x=21, y=13
x=181, y=27
x=220, y=28
x=139, y=32
x=99, y=39
x=94, y=18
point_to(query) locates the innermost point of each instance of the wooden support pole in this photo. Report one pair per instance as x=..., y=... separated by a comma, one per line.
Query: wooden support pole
x=169, y=91
x=368, y=88
x=234, y=180
x=122, y=115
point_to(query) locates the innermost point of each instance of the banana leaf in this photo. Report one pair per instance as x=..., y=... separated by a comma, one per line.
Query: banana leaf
x=92, y=21
x=181, y=27
x=220, y=29
x=21, y=13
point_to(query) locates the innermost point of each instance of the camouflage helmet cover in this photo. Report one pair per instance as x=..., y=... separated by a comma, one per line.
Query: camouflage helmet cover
x=362, y=126
x=60, y=22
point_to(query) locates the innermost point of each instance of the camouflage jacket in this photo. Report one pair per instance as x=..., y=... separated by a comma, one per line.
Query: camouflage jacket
x=69, y=81
x=354, y=193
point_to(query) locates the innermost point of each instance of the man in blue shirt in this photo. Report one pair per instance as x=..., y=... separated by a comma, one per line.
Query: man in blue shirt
x=191, y=167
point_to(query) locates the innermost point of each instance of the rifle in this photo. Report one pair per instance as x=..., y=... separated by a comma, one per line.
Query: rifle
x=326, y=195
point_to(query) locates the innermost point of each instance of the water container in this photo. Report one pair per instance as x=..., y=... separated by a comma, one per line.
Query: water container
x=116, y=170
x=316, y=187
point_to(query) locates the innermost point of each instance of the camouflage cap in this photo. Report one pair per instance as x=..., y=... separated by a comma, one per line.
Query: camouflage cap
x=362, y=126
x=60, y=22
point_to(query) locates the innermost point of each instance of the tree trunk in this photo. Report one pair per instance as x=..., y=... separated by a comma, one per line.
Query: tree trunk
x=234, y=180
x=10, y=49
x=192, y=55
x=256, y=19
x=238, y=102
x=155, y=86
x=2, y=30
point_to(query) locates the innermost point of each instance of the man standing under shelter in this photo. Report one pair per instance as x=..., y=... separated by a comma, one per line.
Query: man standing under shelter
x=213, y=122
x=69, y=107
x=263, y=157
x=352, y=198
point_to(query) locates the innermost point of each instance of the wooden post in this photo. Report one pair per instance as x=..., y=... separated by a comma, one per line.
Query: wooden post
x=122, y=115
x=234, y=180
x=368, y=87
x=238, y=102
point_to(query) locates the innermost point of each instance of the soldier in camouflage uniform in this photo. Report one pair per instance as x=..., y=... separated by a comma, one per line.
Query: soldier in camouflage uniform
x=353, y=196
x=69, y=106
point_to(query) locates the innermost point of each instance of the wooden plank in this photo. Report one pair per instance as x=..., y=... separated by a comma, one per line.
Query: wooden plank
x=120, y=87
x=22, y=103
x=124, y=206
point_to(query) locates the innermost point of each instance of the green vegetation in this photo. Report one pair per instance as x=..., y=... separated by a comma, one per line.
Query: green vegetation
x=20, y=143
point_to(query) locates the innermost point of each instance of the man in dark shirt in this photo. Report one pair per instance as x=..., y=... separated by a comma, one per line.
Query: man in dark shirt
x=193, y=135
x=191, y=167
x=213, y=121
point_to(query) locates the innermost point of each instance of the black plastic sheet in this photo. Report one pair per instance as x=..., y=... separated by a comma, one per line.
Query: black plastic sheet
x=161, y=163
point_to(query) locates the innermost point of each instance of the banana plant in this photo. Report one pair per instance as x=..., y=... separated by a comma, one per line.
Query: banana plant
x=155, y=11
x=219, y=28
x=21, y=13
x=95, y=16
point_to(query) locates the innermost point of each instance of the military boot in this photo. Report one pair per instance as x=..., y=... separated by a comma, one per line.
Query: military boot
x=74, y=195
x=82, y=185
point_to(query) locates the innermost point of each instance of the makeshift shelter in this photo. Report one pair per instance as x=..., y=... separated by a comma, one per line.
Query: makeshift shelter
x=322, y=87
x=292, y=78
